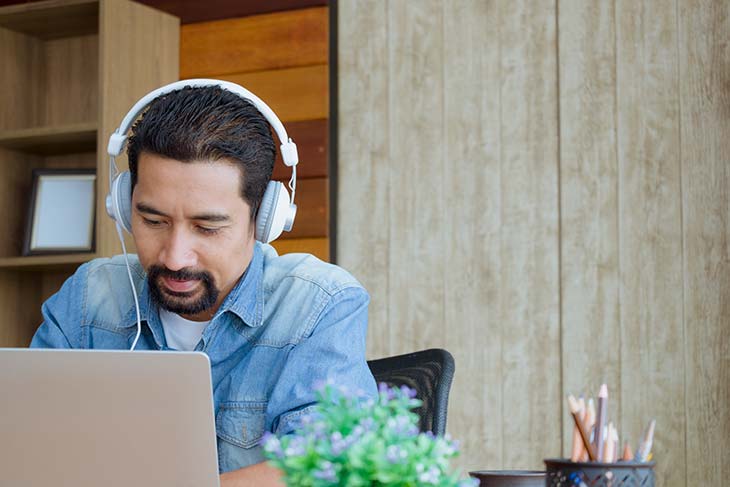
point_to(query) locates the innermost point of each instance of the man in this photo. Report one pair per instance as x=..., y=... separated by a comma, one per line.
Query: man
x=200, y=160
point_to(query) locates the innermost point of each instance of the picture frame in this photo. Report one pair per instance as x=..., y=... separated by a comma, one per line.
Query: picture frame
x=61, y=213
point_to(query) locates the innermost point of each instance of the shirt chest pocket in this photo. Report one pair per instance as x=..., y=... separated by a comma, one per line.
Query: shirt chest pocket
x=241, y=423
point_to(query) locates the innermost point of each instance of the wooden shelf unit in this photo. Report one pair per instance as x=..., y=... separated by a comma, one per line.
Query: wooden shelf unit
x=44, y=262
x=52, y=19
x=74, y=67
x=58, y=139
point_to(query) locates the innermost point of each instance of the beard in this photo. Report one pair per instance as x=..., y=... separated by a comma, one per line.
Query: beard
x=183, y=303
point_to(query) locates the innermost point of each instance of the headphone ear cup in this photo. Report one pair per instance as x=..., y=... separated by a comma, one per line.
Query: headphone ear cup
x=273, y=212
x=267, y=208
x=121, y=201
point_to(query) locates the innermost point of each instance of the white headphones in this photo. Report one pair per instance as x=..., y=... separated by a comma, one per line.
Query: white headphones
x=276, y=212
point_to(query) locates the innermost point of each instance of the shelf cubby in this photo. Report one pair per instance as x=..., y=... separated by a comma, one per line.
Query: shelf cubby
x=58, y=139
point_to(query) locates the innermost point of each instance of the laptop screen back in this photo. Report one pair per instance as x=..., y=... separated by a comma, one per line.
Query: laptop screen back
x=112, y=418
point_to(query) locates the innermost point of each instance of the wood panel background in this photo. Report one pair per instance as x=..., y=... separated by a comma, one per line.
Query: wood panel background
x=282, y=57
x=191, y=11
x=542, y=189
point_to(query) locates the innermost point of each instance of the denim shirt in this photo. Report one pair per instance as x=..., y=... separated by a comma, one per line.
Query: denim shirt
x=289, y=322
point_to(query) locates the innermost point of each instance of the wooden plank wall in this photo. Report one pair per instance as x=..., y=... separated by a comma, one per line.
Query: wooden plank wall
x=704, y=105
x=282, y=58
x=542, y=188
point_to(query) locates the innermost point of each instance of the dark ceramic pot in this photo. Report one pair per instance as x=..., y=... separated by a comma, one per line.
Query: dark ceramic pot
x=509, y=478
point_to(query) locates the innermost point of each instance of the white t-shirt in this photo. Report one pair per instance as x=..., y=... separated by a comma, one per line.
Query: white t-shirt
x=181, y=334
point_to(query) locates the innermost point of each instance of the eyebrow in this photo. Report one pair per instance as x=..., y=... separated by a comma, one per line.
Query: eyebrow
x=209, y=217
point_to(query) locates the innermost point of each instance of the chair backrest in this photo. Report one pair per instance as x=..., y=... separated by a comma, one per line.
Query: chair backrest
x=429, y=372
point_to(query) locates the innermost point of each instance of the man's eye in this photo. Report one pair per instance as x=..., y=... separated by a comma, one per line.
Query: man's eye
x=152, y=223
x=208, y=230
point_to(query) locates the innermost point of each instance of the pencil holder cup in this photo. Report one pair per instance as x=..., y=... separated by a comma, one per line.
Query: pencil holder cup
x=563, y=473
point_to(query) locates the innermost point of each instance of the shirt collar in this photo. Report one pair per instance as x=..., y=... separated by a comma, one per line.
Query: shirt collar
x=246, y=299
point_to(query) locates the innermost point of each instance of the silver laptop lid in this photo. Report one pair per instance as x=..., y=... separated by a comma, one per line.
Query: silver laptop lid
x=113, y=418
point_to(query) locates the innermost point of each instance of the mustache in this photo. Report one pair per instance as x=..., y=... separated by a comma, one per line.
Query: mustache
x=185, y=274
x=180, y=302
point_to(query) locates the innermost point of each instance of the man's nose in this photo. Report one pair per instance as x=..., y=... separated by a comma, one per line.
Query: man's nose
x=178, y=252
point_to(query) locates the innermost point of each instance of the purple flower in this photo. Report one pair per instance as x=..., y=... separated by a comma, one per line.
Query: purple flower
x=402, y=425
x=408, y=392
x=386, y=393
x=326, y=472
x=368, y=424
x=431, y=476
x=296, y=447
x=444, y=447
x=266, y=437
x=395, y=454
x=339, y=444
x=272, y=444
x=319, y=429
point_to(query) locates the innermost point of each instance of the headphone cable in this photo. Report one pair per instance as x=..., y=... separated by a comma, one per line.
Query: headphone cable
x=134, y=289
x=293, y=183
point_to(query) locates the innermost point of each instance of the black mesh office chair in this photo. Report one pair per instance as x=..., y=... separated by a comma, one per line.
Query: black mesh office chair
x=429, y=372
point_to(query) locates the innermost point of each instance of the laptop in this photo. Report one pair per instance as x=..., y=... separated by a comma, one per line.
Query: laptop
x=112, y=418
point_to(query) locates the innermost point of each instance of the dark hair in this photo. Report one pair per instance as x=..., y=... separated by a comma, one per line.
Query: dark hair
x=208, y=124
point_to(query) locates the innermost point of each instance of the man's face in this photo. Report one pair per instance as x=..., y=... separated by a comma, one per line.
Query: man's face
x=193, y=232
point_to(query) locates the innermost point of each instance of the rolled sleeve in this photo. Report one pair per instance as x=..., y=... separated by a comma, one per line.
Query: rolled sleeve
x=333, y=352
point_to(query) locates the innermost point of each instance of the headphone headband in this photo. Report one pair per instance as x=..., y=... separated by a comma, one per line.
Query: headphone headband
x=119, y=137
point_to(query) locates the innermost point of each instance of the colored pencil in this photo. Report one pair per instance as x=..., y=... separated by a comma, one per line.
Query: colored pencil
x=573, y=403
x=642, y=454
x=628, y=453
x=578, y=449
x=598, y=440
